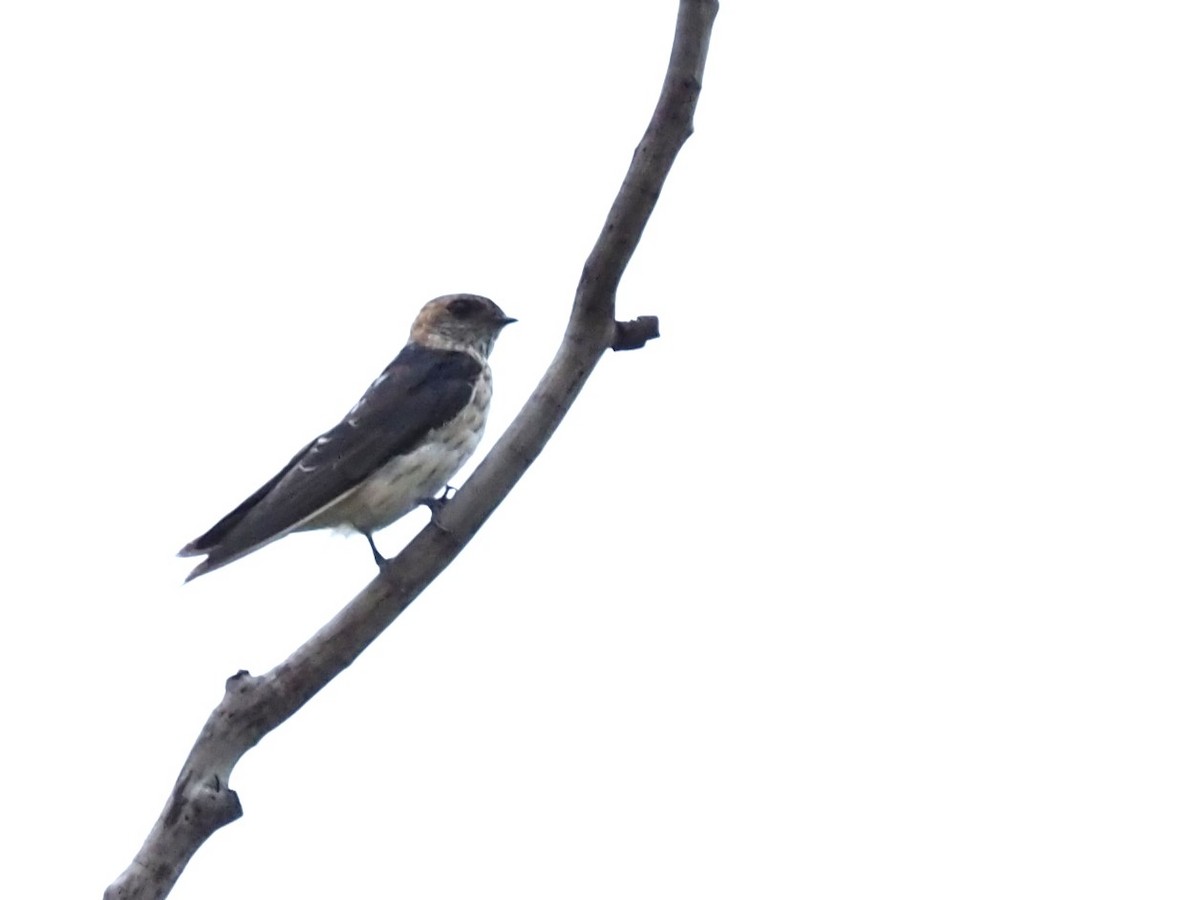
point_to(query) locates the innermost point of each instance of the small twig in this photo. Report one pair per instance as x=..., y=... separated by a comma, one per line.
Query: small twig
x=634, y=335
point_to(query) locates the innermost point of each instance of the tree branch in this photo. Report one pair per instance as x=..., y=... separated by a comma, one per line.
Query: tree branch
x=201, y=801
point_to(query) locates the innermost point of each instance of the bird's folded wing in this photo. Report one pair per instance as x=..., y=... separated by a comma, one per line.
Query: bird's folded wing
x=419, y=391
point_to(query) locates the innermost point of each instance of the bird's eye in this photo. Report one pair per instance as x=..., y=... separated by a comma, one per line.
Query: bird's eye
x=461, y=308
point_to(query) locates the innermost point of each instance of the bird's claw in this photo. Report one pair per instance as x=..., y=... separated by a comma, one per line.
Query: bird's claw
x=437, y=504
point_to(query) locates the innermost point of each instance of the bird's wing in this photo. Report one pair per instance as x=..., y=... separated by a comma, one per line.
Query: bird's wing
x=419, y=391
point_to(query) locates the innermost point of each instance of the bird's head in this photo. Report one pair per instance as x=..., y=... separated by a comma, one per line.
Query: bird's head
x=465, y=322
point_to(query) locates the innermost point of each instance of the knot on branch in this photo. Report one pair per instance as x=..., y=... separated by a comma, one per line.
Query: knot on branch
x=634, y=335
x=238, y=680
x=201, y=804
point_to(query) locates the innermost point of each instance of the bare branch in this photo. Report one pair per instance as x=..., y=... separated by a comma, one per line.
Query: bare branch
x=201, y=801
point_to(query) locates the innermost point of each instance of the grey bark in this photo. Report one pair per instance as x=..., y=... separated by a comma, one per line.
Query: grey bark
x=253, y=705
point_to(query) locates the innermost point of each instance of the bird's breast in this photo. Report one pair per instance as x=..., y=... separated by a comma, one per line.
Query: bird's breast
x=401, y=484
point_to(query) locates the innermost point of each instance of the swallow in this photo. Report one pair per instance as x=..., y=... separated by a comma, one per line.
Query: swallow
x=395, y=450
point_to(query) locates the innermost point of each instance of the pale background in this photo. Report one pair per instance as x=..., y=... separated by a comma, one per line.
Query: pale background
x=876, y=576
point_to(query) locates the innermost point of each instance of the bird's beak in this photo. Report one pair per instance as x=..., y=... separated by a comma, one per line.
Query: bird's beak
x=506, y=320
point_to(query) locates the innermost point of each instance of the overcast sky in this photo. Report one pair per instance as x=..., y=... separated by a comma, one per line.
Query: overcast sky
x=876, y=576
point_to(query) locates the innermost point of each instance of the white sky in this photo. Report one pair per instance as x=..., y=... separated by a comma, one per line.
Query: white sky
x=875, y=577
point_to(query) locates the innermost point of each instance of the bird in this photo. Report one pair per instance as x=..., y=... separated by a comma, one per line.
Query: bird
x=397, y=447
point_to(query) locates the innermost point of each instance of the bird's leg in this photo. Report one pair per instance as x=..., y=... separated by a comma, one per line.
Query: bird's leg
x=436, y=504
x=379, y=558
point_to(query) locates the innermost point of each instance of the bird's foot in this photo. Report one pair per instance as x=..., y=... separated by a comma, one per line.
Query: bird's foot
x=437, y=504
x=380, y=559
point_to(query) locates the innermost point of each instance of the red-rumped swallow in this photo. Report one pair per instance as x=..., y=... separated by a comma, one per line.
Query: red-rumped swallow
x=396, y=448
